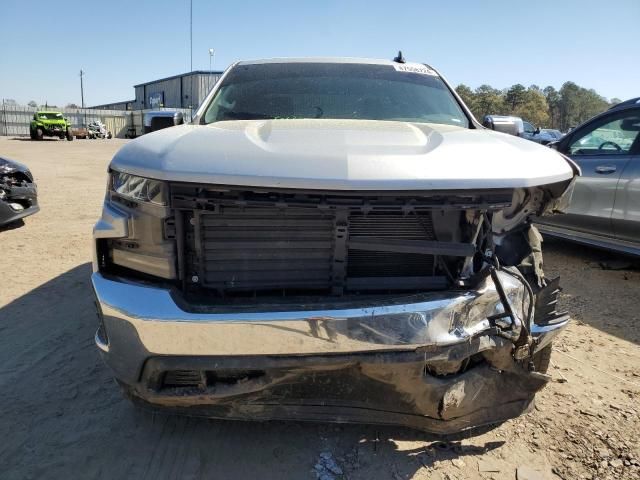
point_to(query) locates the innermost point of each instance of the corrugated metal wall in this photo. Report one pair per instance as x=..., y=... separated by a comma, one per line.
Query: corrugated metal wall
x=177, y=91
x=204, y=84
x=14, y=120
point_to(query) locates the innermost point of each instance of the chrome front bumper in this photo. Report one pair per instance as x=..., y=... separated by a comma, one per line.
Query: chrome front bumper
x=141, y=322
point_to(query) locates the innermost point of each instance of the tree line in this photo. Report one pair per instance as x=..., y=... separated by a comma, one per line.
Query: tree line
x=546, y=108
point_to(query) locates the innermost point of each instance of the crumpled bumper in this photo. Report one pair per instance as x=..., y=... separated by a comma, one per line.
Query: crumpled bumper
x=26, y=198
x=421, y=360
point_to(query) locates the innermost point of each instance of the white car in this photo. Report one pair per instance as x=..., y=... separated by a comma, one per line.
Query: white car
x=331, y=239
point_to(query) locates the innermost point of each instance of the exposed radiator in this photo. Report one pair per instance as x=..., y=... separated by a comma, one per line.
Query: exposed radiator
x=258, y=249
x=362, y=263
x=266, y=248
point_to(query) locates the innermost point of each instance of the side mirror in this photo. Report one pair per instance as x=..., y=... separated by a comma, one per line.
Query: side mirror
x=553, y=145
x=537, y=131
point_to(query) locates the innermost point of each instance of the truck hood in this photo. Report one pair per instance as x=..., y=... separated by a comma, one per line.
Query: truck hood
x=342, y=155
x=52, y=122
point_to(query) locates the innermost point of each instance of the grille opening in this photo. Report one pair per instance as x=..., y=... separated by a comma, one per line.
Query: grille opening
x=250, y=244
x=283, y=252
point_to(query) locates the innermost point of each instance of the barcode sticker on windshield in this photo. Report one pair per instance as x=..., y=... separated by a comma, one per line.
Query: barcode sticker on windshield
x=414, y=68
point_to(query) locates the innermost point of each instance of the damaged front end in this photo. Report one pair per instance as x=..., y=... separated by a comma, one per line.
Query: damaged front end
x=18, y=192
x=426, y=309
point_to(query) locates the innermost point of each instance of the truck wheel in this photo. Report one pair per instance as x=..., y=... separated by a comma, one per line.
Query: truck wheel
x=69, y=136
x=32, y=134
x=39, y=133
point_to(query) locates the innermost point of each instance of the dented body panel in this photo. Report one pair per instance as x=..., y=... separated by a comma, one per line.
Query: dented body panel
x=18, y=192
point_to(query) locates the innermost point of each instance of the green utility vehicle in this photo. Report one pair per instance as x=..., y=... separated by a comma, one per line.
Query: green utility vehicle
x=50, y=124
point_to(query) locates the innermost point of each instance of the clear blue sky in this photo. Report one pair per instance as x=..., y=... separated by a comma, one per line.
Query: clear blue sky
x=43, y=44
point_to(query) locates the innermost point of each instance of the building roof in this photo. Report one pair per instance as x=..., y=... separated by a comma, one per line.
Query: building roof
x=195, y=72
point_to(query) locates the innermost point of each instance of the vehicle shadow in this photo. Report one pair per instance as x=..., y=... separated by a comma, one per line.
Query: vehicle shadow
x=29, y=139
x=63, y=414
x=600, y=288
x=12, y=225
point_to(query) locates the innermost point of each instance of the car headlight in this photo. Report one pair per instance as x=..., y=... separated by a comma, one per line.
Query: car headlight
x=139, y=189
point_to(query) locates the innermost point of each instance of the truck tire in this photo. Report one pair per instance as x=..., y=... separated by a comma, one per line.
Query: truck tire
x=32, y=134
x=69, y=136
x=39, y=133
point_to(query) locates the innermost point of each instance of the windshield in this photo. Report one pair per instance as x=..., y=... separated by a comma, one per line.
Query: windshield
x=336, y=91
x=51, y=116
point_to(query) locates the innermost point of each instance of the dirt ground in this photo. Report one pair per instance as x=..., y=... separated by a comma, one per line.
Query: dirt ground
x=63, y=417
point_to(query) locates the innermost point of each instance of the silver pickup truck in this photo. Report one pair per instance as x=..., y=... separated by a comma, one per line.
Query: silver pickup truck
x=330, y=240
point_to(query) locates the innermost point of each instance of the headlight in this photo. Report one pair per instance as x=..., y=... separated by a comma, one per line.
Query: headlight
x=137, y=188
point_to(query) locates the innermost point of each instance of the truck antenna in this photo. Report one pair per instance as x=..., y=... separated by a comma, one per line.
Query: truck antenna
x=399, y=58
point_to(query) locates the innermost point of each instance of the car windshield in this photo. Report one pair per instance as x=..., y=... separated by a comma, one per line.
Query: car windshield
x=51, y=116
x=335, y=91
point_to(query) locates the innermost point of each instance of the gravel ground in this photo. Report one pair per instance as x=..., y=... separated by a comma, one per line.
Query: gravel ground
x=63, y=417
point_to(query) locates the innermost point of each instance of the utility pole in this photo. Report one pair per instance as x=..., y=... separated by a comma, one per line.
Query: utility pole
x=82, y=97
x=81, y=88
x=212, y=54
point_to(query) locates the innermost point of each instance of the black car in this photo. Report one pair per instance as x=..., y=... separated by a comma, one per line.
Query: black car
x=18, y=192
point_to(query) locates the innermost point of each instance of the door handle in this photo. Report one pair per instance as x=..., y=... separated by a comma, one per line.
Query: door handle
x=605, y=169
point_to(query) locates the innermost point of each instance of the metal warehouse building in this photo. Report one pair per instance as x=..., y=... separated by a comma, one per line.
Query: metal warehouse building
x=187, y=90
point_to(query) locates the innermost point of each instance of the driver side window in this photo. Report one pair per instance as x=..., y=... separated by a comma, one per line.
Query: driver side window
x=614, y=137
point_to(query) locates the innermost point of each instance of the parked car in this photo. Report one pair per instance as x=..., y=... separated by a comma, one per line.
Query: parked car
x=50, y=124
x=80, y=133
x=159, y=119
x=97, y=129
x=553, y=134
x=543, y=136
x=330, y=240
x=18, y=192
x=605, y=208
x=517, y=126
